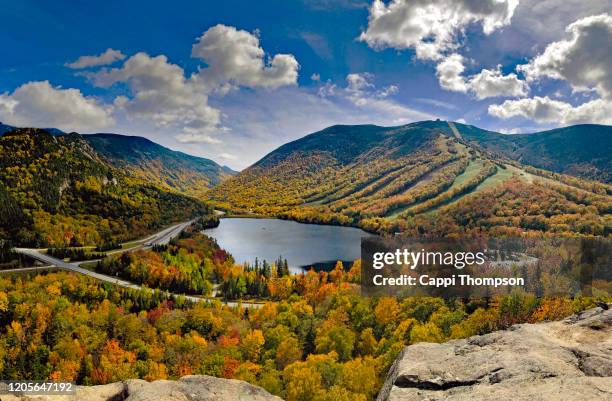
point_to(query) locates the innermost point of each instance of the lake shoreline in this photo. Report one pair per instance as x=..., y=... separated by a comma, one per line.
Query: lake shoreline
x=304, y=245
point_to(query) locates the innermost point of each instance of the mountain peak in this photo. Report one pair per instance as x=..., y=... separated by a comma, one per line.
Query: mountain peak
x=168, y=168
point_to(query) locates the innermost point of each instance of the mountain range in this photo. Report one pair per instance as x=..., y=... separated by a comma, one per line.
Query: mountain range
x=430, y=176
x=433, y=176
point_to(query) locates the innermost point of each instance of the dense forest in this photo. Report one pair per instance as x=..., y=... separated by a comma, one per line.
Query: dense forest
x=188, y=264
x=322, y=341
x=57, y=191
x=416, y=179
x=169, y=169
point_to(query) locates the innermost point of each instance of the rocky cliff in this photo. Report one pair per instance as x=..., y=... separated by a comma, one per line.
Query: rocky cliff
x=188, y=388
x=567, y=360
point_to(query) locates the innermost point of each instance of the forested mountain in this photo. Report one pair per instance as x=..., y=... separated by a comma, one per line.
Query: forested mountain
x=5, y=128
x=579, y=150
x=168, y=168
x=57, y=190
x=431, y=176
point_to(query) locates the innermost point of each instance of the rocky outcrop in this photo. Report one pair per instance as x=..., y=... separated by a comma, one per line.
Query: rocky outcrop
x=187, y=388
x=567, y=360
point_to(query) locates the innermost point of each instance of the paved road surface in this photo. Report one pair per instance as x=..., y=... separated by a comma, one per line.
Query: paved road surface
x=163, y=237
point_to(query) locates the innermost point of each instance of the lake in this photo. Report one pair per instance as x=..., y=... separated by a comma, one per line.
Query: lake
x=303, y=245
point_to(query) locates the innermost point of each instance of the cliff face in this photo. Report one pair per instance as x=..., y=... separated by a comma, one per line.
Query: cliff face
x=567, y=360
x=188, y=388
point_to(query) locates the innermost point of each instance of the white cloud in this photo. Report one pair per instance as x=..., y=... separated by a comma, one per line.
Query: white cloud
x=449, y=73
x=431, y=27
x=227, y=156
x=362, y=93
x=545, y=20
x=492, y=83
x=235, y=56
x=510, y=131
x=161, y=92
x=39, y=104
x=387, y=91
x=197, y=137
x=108, y=57
x=485, y=84
x=315, y=77
x=359, y=82
x=547, y=110
x=584, y=60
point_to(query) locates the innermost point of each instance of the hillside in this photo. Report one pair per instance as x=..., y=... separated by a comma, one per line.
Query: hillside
x=579, y=150
x=398, y=178
x=167, y=168
x=58, y=191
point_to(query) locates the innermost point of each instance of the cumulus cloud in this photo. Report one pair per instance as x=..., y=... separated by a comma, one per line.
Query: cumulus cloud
x=108, y=57
x=449, y=73
x=546, y=20
x=431, y=27
x=39, y=104
x=547, y=110
x=235, y=56
x=357, y=83
x=162, y=93
x=583, y=60
x=485, y=84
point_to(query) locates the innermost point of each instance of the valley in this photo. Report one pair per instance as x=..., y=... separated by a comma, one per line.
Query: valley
x=177, y=292
x=314, y=200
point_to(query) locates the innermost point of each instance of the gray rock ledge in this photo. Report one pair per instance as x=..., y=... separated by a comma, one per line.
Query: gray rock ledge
x=569, y=360
x=187, y=388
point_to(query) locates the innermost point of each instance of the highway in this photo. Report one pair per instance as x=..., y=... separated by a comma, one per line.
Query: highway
x=160, y=238
x=163, y=237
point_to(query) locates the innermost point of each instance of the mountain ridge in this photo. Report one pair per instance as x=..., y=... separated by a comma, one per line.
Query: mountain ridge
x=169, y=168
x=56, y=190
x=143, y=158
x=394, y=179
x=512, y=146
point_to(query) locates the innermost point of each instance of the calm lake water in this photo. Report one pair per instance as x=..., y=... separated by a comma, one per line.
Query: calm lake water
x=303, y=245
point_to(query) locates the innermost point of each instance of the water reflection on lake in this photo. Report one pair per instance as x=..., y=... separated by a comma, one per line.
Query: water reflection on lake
x=303, y=245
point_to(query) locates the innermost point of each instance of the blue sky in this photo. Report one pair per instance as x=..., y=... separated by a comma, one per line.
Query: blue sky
x=233, y=80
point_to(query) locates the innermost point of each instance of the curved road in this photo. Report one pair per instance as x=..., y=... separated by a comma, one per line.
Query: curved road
x=160, y=238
